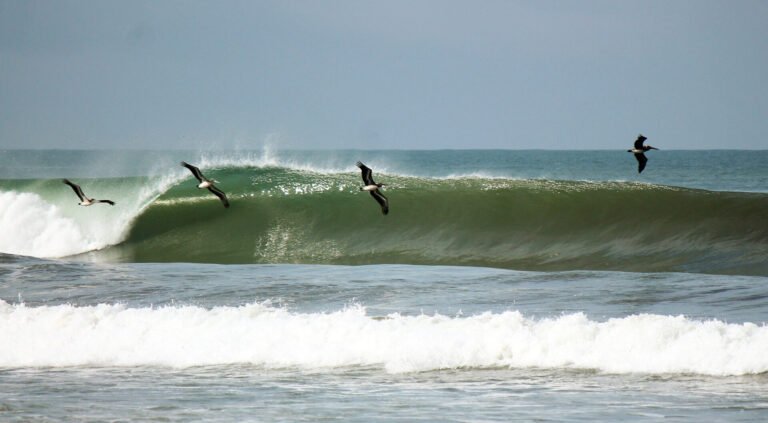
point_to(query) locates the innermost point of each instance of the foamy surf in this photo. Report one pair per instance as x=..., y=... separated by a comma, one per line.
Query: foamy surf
x=33, y=227
x=51, y=224
x=273, y=337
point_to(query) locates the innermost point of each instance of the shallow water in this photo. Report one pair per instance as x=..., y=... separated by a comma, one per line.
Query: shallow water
x=421, y=379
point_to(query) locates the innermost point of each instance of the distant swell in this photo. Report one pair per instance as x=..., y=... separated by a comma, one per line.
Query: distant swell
x=257, y=334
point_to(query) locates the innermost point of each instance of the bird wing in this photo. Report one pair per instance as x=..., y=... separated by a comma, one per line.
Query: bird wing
x=76, y=188
x=110, y=202
x=382, y=200
x=367, y=174
x=195, y=171
x=641, y=161
x=219, y=193
x=639, y=142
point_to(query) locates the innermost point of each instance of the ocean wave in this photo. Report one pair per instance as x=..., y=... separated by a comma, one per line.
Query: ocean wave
x=281, y=215
x=285, y=215
x=262, y=335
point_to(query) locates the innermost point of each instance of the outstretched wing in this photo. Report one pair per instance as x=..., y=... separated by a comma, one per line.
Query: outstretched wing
x=367, y=174
x=219, y=193
x=76, y=188
x=641, y=161
x=639, y=142
x=110, y=202
x=382, y=200
x=195, y=171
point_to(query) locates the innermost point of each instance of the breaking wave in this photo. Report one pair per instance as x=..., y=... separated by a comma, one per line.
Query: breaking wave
x=298, y=215
x=262, y=335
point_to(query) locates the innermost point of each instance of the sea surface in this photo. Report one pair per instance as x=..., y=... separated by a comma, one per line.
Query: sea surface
x=502, y=286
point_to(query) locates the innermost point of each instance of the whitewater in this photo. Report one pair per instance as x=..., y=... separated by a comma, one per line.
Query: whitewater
x=503, y=285
x=113, y=335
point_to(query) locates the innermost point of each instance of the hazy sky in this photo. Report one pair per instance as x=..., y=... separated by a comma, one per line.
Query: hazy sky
x=383, y=74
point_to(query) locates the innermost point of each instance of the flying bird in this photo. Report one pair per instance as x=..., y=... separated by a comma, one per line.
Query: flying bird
x=207, y=183
x=85, y=201
x=373, y=187
x=639, y=150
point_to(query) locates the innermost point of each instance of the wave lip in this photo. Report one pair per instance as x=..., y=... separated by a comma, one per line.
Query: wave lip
x=259, y=334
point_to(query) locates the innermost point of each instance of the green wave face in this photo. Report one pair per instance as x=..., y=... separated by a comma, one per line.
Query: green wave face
x=281, y=215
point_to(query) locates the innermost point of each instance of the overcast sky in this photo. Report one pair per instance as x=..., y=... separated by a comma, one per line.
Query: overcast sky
x=383, y=74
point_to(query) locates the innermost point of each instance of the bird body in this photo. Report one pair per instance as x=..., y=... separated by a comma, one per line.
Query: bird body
x=205, y=184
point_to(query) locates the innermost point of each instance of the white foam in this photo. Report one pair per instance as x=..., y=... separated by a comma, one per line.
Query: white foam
x=32, y=227
x=258, y=334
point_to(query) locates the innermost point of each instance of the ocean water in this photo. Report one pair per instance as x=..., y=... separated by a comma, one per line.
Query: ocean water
x=503, y=285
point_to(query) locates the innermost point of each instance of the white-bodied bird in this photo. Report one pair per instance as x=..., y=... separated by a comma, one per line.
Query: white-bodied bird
x=207, y=183
x=373, y=187
x=85, y=201
x=639, y=151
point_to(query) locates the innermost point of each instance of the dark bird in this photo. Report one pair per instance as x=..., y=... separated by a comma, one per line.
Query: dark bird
x=207, y=183
x=85, y=201
x=639, y=150
x=373, y=187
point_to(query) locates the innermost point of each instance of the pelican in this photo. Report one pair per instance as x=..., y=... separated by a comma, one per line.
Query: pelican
x=207, y=183
x=639, y=150
x=85, y=201
x=373, y=187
